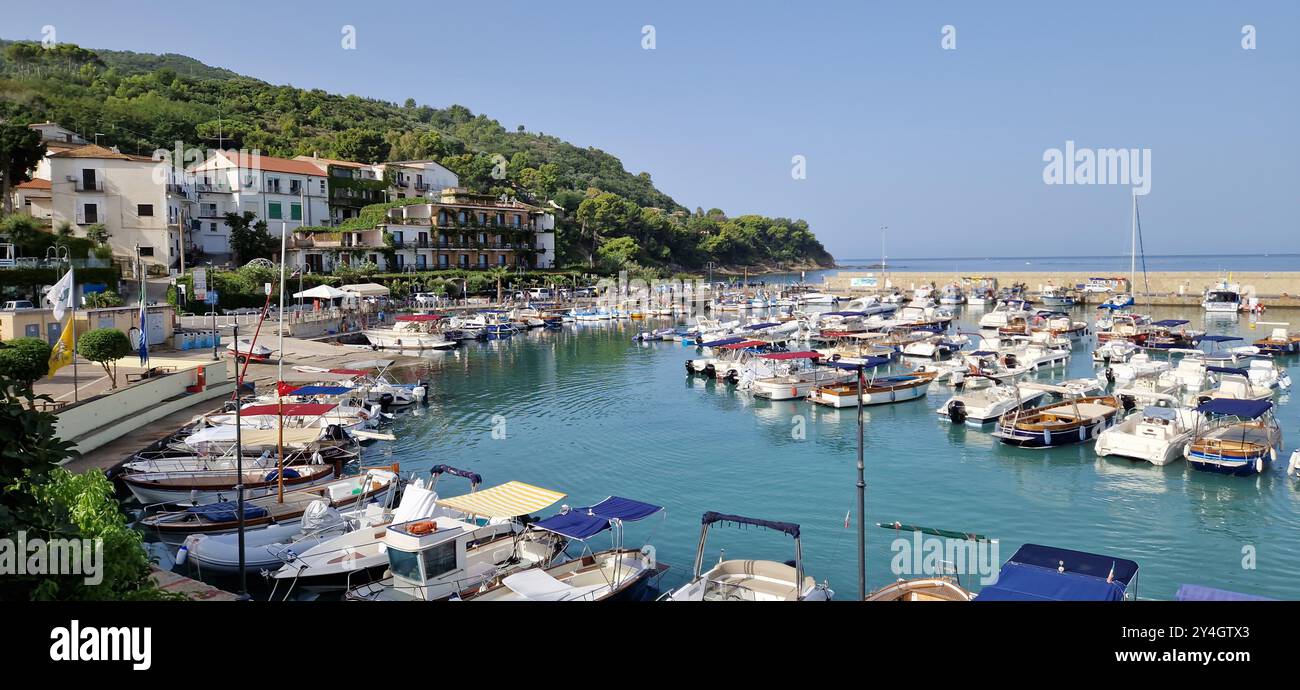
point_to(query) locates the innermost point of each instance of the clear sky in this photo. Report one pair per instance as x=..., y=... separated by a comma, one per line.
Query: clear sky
x=945, y=147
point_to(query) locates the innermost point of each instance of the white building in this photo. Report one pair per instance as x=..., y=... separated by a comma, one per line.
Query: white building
x=92, y=185
x=285, y=193
x=354, y=186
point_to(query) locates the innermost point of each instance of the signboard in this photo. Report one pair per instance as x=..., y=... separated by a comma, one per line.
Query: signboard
x=869, y=281
x=200, y=283
x=211, y=297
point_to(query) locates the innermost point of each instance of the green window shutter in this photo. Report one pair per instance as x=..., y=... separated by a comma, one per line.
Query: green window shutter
x=295, y=211
x=273, y=210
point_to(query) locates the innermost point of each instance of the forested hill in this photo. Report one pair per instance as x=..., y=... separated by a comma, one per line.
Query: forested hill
x=143, y=102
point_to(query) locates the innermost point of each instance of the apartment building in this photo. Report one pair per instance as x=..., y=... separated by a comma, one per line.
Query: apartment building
x=458, y=230
x=92, y=185
x=354, y=186
x=286, y=193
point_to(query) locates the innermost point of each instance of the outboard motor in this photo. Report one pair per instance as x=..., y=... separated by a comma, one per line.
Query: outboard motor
x=689, y=369
x=334, y=432
x=1110, y=376
x=1128, y=401
x=1010, y=361
x=385, y=401
x=710, y=371
x=957, y=411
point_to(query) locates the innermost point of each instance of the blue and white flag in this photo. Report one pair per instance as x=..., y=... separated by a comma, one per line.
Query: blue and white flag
x=144, y=335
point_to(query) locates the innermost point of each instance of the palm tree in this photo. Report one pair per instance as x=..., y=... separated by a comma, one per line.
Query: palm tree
x=498, y=273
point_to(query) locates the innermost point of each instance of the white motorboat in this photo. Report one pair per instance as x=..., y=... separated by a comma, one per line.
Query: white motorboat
x=358, y=555
x=1234, y=383
x=1005, y=313
x=411, y=332
x=818, y=298
x=1115, y=351
x=790, y=375
x=952, y=294
x=219, y=553
x=173, y=526
x=1265, y=372
x=435, y=559
x=980, y=405
x=750, y=580
x=1157, y=433
x=1189, y=374
x=1222, y=297
x=1140, y=365
x=613, y=574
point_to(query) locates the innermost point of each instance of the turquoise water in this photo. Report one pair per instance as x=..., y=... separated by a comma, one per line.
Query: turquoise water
x=586, y=411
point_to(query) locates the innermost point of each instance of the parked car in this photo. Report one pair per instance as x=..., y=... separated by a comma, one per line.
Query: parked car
x=15, y=305
x=426, y=299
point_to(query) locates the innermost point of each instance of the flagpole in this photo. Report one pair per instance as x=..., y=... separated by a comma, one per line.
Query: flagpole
x=73, y=300
x=279, y=396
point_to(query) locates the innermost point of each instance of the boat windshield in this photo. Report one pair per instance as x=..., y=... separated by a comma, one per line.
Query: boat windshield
x=404, y=565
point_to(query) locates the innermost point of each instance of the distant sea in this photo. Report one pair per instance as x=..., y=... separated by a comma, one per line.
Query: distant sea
x=1162, y=262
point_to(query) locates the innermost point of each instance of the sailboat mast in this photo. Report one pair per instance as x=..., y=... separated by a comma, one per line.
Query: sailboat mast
x=1132, y=266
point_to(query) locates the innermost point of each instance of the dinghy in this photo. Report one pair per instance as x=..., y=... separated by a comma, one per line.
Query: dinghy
x=750, y=580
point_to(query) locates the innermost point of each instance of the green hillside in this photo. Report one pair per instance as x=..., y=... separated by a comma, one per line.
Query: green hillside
x=612, y=219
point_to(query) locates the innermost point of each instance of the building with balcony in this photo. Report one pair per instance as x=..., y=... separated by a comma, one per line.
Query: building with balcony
x=464, y=230
x=321, y=251
x=92, y=185
x=353, y=186
x=285, y=193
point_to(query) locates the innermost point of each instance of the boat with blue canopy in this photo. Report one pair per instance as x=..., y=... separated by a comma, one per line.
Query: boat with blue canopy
x=1203, y=593
x=1237, y=437
x=749, y=580
x=617, y=573
x=1049, y=573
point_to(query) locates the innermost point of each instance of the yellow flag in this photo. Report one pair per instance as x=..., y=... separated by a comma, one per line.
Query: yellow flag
x=61, y=355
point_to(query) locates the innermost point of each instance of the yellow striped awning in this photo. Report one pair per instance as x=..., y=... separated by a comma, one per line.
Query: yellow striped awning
x=511, y=499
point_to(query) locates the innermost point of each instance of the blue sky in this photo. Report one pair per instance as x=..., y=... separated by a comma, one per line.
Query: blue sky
x=945, y=147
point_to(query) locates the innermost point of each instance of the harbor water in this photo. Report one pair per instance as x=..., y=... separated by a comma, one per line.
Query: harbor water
x=586, y=411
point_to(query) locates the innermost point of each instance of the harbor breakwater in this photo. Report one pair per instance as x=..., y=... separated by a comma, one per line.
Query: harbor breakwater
x=1272, y=288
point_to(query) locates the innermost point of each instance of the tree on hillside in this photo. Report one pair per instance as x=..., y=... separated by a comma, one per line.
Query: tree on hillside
x=20, y=150
x=363, y=145
x=248, y=237
x=105, y=346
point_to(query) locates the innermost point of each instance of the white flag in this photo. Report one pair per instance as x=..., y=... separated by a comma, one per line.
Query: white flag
x=61, y=295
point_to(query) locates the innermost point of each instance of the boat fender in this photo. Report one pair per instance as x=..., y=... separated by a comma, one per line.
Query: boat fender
x=1259, y=465
x=422, y=527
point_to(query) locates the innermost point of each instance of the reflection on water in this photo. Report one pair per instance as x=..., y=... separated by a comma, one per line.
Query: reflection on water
x=586, y=411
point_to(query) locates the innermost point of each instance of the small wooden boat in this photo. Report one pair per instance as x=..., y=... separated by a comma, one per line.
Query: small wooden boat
x=173, y=527
x=878, y=390
x=1073, y=420
x=209, y=486
x=1279, y=342
x=1237, y=437
x=921, y=589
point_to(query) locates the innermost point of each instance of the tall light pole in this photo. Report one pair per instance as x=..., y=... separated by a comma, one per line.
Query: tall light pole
x=862, y=494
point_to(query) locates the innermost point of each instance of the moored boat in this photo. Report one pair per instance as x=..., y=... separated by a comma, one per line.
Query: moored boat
x=875, y=390
x=750, y=580
x=1073, y=420
x=1237, y=437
